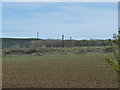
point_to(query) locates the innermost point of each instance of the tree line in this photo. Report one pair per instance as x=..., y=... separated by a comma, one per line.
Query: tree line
x=39, y=43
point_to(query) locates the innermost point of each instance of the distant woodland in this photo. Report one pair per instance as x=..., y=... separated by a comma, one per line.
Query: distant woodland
x=51, y=43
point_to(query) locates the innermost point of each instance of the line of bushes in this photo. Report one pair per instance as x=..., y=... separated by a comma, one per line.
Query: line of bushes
x=54, y=51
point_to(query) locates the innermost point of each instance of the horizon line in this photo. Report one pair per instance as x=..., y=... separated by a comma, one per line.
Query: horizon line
x=54, y=38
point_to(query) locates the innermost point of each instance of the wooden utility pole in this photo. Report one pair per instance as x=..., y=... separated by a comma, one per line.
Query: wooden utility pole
x=37, y=35
x=62, y=40
x=70, y=41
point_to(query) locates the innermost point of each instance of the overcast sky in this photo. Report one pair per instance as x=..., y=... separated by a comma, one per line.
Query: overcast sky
x=77, y=20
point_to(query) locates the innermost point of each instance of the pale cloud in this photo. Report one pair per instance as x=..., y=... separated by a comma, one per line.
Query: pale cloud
x=64, y=18
x=0, y=19
x=60, y=0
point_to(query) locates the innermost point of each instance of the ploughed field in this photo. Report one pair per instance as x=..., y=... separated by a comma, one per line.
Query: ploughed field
x=62, y=71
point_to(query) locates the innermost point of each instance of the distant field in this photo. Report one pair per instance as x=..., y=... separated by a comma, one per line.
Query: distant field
x=64, y=71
